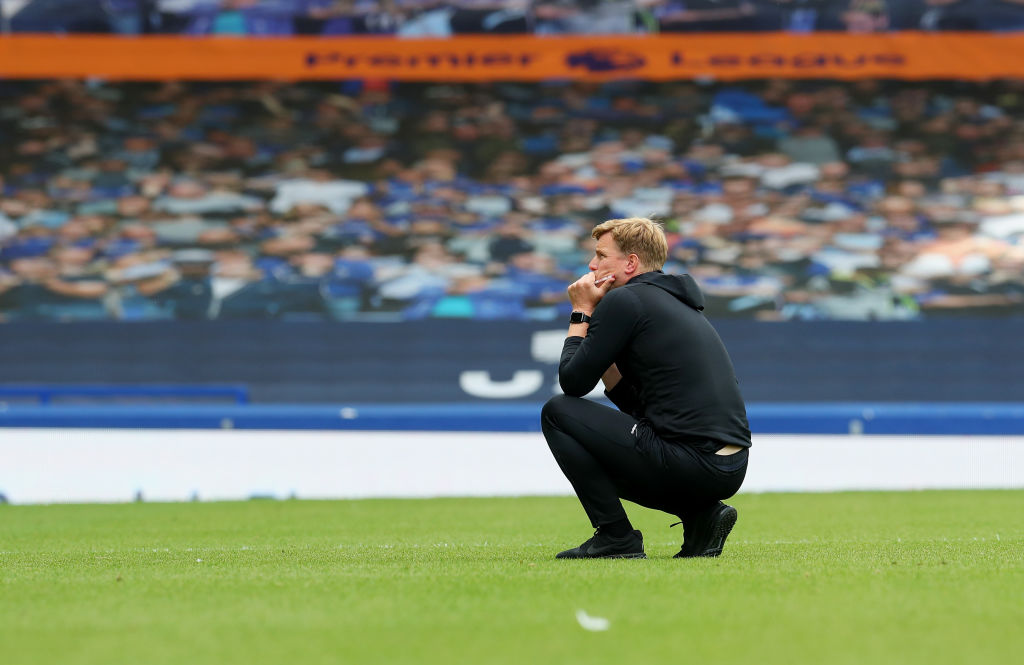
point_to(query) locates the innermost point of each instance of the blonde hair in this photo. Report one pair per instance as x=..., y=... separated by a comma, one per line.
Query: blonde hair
x=640, y=236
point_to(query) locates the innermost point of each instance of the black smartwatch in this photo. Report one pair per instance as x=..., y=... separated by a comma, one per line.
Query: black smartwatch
x=579, y=317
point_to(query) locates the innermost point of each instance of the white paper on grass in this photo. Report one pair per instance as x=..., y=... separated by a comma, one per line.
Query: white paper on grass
x=594, y=624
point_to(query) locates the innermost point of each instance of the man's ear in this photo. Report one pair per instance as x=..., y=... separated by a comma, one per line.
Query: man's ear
x=632, y=264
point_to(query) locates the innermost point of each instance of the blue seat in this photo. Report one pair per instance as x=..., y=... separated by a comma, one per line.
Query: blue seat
x=268, y=21
x=124, y=16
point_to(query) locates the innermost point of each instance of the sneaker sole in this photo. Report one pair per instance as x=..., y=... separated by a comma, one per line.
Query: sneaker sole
x=635, y=555
x=723, y=526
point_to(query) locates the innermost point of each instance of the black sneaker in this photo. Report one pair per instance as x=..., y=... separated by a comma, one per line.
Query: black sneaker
x=704, y=536
x=605, y=546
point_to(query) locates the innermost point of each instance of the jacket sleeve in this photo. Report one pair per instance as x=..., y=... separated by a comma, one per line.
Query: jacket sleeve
x=585, y=359
x=624, y=396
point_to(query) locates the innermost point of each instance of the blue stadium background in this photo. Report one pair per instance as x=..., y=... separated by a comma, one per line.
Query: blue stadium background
x=861, y=243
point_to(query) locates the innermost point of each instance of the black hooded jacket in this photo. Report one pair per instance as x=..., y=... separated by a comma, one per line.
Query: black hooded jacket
x=676, y=373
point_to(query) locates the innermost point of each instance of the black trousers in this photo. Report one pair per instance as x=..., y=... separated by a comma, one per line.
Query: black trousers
x=608, y=455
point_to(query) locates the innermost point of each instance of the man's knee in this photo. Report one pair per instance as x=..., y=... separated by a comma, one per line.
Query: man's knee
x=553, y=425
x=556, y=408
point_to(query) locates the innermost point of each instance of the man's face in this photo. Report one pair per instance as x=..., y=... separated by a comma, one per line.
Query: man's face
x=609, y=260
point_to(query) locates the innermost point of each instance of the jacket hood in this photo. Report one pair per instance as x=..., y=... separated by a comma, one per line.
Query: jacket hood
x=682, y=287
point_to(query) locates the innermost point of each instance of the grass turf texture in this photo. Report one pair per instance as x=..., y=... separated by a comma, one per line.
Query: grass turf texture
x=919, y=577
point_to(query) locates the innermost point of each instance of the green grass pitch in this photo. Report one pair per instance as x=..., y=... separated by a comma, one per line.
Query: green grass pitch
x=914, y=577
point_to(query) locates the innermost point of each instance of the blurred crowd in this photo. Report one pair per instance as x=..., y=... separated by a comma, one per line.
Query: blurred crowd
x=439, y=18
x=384, y=201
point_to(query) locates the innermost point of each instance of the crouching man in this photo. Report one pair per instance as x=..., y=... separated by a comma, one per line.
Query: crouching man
x=679, y=440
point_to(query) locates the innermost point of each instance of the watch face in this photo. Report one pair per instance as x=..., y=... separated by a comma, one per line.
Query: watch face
x=578, y=317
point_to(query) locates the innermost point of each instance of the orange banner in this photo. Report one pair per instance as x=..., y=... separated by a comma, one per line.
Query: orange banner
x=906, y=55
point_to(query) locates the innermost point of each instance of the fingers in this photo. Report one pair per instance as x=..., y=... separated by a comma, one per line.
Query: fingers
x=588, y=290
